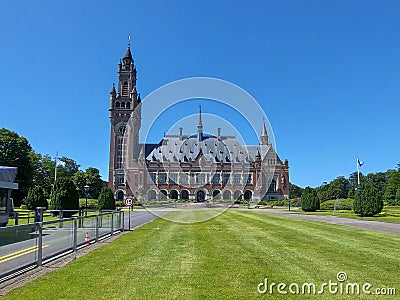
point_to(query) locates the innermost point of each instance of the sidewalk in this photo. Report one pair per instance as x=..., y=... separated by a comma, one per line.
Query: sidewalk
x=393, y=228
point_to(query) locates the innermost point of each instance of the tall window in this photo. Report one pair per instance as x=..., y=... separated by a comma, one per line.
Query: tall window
x=184, y=178
x=120, y=153
x=249, y=179
x=125, y=89
x=173, y=177
x=152, y=178
x=201, y=178
x=162, y=178
x=225, y=178
x=236, y=178
x=216, y=178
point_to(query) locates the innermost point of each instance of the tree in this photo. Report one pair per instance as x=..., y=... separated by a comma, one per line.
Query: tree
x=15, y=151
x=391, y=186
x=397, y=199
x=90, y=177
x=43, y=174
x=64, y=196
x=309, y=200
x=295, y=191
x=368, y=202
x=36, y=198
x=106, y=199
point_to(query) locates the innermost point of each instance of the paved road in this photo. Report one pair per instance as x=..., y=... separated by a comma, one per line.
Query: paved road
x=363, y=224
x=138, y=218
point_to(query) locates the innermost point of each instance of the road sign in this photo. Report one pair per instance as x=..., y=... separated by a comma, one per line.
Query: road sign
x=128, y=201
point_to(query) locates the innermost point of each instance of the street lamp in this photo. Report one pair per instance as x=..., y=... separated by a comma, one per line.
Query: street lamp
x=86, y=188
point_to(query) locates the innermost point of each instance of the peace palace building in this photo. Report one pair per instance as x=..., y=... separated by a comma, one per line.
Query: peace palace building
x=199, y=167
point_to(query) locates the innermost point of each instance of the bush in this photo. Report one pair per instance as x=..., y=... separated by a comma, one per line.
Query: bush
x=106, y=199
x=64, y=195
x=309, y=200
x=35, y=198
x=92, y=203
x=368, y=202
x=342, y=204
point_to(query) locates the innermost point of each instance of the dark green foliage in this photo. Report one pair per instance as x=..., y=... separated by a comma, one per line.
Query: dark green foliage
x=106, y=199
x=15, y=151
x=397, y=199
x=392, y=186
x=309, y=200
x=90, y=177
x=368, y=202
x=295, y=191
x=64, y=195
x=341, y=204
x=36, y=198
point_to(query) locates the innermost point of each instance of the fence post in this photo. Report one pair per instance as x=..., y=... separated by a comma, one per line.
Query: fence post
x=112, y=222
x=121, y=220
x=75, y=234
x=16, y=218
x=97, y=228
x=40, y=243
x=61, y=218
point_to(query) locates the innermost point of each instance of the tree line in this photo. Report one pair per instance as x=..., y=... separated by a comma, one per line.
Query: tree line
x=36, y=170
x=375, y=190
x=386, y=183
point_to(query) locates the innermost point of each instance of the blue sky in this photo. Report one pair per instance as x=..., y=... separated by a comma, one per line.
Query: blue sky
x=326, y=73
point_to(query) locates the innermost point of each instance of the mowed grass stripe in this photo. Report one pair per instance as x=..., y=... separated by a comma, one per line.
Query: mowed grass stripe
x=223, y=258
x=333, y=247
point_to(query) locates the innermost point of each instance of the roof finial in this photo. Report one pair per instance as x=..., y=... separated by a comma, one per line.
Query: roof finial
x=129, y=41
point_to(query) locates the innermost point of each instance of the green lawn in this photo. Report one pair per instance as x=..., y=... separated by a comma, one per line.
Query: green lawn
x=389, y=214
x=224, y=258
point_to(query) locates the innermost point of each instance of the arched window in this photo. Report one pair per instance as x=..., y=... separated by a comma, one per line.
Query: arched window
x=117, y=104
x=125, y=89
x=128, y=105
x=122, y=104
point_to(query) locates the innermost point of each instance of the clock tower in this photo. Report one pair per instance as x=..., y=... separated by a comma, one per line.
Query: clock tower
x=125, y=118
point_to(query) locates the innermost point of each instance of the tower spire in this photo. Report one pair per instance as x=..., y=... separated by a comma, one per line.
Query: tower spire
x=200, y=127
x=264, y=140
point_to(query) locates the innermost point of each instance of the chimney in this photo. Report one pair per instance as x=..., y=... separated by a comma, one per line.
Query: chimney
x=180, y=134
x=219, y=133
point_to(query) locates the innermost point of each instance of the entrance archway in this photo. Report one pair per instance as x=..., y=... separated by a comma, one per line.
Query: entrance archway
x=247, y=195
x=120, y=196
x=185, y=195
x=173, y=194
x=200, y=196
x=152, y=195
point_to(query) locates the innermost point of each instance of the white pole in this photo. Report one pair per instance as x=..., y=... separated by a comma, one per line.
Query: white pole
x=55, y=169
x=358, y=172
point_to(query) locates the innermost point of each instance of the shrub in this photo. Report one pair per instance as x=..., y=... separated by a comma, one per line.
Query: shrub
x=106, y=199
x=368, y=202
x=35, y=198
x=64, y=195
x=309, y=200
x=342, y=204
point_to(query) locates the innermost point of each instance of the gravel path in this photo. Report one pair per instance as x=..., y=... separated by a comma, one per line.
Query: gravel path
x=363, y=224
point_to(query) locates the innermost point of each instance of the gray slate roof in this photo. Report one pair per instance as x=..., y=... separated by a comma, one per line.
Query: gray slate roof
x=227, y=150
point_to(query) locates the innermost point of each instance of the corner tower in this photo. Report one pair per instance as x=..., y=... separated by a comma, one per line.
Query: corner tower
x=125, y=118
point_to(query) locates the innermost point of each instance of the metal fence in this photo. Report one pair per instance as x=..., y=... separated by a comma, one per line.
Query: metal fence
x=24, y=247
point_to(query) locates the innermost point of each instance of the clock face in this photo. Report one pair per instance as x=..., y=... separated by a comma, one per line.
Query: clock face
x=121, y=130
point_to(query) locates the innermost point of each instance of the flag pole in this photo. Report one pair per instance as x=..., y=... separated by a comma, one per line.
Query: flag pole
x=55, y=168
x=358, y=172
